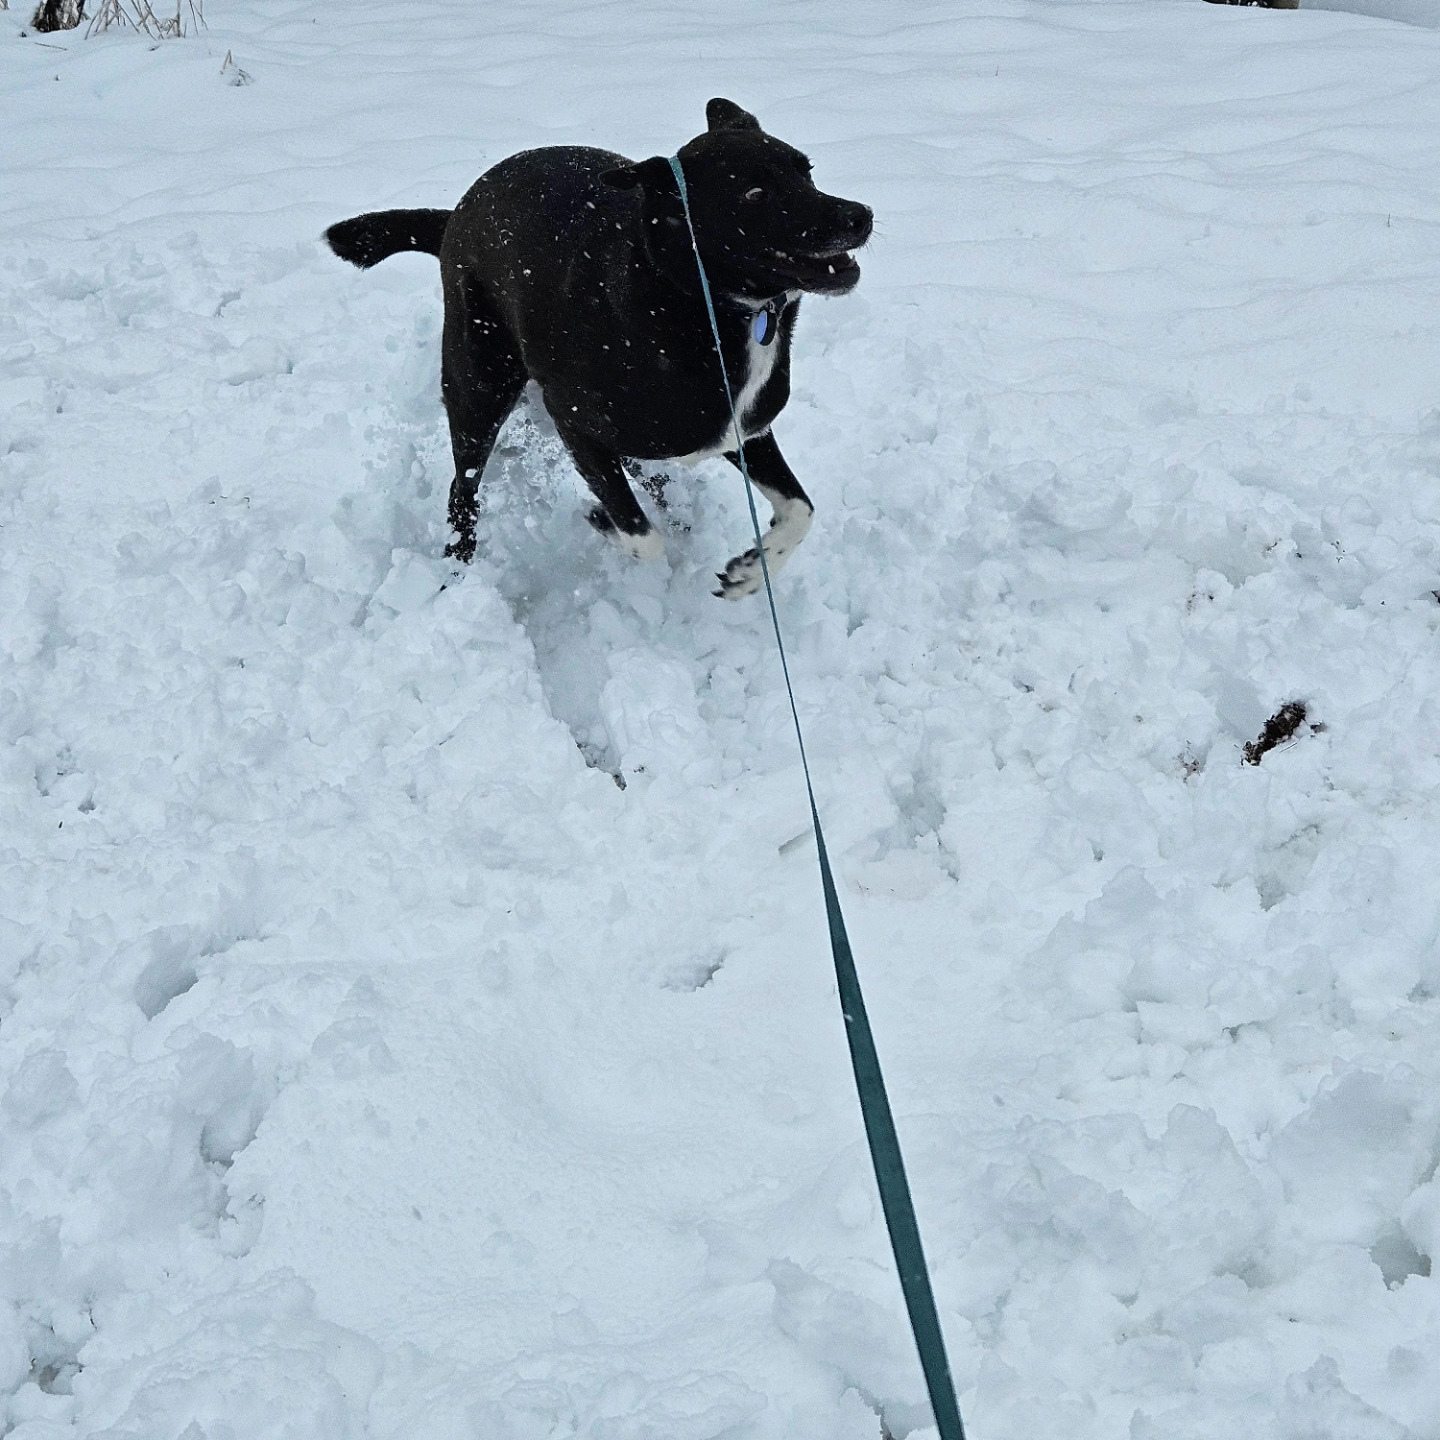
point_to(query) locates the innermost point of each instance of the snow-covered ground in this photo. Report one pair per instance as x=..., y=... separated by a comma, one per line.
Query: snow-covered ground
x=373, y=1064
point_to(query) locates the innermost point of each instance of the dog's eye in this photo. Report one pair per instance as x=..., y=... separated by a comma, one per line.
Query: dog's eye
x=754, y=193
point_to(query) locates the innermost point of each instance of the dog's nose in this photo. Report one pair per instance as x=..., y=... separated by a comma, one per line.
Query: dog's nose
x=861, y=220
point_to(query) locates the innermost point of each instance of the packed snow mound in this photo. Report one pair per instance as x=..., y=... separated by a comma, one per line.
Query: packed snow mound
x=1409, y=12
x=415, y=1012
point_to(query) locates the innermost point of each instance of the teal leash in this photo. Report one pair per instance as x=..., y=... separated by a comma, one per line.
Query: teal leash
x=874, y=1102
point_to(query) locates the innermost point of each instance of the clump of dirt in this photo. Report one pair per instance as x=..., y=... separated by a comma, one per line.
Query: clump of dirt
x=1279, y=728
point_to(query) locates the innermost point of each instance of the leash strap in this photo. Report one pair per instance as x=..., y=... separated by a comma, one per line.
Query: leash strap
x=874, y=1102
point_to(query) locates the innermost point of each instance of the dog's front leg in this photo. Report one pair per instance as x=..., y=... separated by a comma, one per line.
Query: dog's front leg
x=788, y=526
x=618, y=517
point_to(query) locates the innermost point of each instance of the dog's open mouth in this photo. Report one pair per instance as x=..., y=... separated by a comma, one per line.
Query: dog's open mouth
x=832, y=273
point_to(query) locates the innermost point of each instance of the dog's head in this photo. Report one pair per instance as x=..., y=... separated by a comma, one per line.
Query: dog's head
x=762, y=226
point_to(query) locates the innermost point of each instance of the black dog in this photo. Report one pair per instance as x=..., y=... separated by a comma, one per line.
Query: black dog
x=574, y=268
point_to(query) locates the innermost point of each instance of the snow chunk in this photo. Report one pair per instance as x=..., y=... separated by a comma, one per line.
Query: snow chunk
x=41, y=1088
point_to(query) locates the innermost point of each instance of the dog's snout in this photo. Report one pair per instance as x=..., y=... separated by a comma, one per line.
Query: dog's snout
x=848, y=221
x=861, y=220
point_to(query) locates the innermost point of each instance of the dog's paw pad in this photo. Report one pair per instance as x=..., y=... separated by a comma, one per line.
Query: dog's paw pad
x=741, y=577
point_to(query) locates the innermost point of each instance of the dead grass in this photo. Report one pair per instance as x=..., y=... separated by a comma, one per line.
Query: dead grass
x=140, y=15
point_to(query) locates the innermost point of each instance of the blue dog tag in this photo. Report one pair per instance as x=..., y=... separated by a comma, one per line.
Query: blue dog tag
x=764, y=326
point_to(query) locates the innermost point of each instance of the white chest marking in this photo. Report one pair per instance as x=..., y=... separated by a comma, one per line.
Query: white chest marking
x=760, y=361
x=759, y=365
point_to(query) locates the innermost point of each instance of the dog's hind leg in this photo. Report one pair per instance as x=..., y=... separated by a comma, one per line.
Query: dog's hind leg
x=788, y=526
x=481, y=377
x=618, y=516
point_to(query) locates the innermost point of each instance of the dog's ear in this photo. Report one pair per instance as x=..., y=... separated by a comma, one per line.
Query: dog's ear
x=723, y=114
x=651, y=174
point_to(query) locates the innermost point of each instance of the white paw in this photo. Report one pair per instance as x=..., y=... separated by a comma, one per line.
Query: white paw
x=649, y=546
x=744, y=575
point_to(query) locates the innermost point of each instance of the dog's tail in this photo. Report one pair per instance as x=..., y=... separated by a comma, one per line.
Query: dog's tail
x=368, y=239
